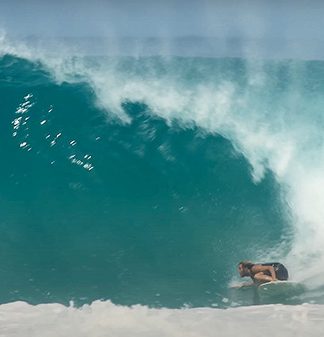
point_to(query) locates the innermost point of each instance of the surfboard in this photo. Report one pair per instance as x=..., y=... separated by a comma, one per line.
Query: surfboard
x=280, y=288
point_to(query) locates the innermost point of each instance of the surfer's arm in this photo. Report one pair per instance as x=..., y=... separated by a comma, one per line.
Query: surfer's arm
x=258, y=270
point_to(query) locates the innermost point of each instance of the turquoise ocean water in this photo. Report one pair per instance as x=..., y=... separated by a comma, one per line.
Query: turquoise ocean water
x=144, y=180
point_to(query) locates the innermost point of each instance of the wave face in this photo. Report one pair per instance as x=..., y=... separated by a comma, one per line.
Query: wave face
x=145, y=180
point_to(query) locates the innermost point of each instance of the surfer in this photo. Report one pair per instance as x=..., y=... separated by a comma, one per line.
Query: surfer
x=265, y=272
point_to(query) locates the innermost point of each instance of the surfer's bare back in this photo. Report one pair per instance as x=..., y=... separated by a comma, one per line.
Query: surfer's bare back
x=265, y=272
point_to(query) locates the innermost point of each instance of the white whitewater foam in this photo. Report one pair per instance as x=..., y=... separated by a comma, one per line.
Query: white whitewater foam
x=101, y=319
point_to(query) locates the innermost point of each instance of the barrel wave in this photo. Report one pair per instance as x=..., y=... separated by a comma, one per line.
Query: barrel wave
x=145, y=180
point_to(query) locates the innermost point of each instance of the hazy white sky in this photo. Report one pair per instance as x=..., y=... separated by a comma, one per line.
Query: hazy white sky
x=289, y=19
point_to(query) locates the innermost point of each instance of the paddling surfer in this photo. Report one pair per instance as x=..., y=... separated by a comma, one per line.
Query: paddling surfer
x=264, y=272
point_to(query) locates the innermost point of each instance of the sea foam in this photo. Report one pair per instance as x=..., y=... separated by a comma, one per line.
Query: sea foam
x=100, y=319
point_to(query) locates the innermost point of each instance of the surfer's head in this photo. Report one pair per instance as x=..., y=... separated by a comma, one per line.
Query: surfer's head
x=244, y=268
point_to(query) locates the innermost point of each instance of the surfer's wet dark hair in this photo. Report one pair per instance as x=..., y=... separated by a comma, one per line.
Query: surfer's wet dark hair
x=246, y=264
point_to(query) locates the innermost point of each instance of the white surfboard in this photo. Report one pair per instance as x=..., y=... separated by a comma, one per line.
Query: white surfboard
x=278, y=288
